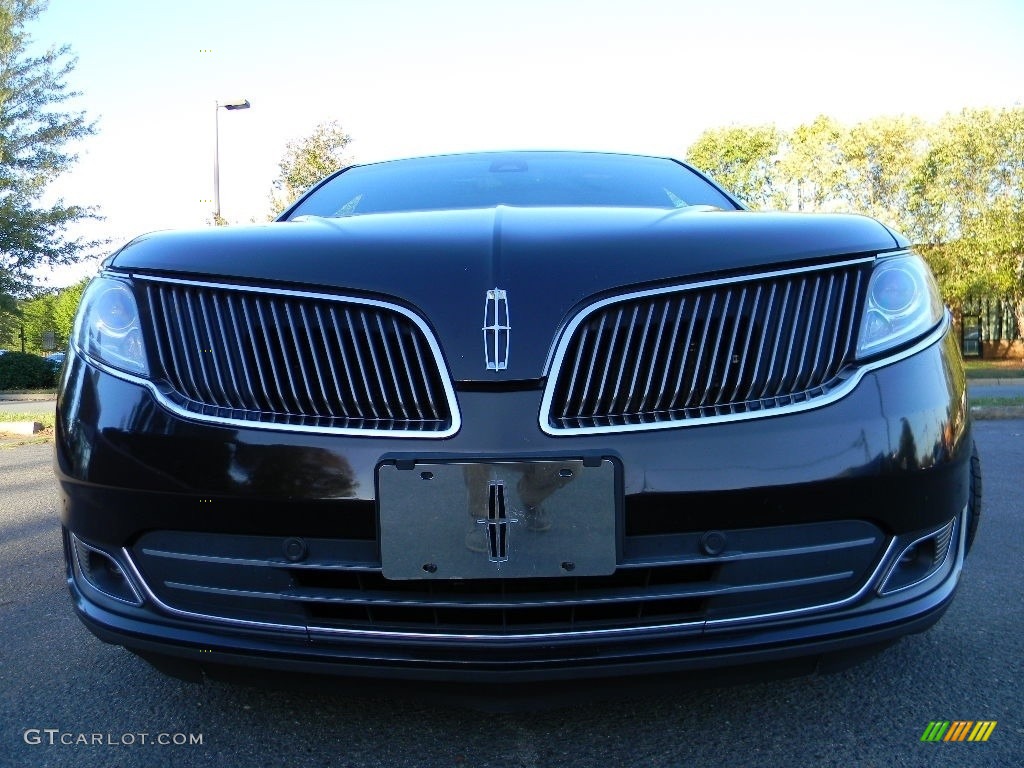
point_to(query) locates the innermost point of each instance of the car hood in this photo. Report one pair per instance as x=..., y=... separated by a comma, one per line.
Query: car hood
x=550, y=261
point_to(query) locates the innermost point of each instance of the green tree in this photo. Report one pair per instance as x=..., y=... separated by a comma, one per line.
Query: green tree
x=967, y=199
x=9, y=321
x=955, y=187
x=36, y=130
x=308, y=160
x=36, y=316
x=65, y=305
x=976, y=158
x=987, y=260
x=812, y=167
x=743, y=159
x=45, y=312
x=880, y=158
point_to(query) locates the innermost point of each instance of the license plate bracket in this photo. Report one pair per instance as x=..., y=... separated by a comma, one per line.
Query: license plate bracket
x=480, y=520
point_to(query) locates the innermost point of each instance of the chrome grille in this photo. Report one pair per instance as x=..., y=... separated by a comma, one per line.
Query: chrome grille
x=734, y=348
x=660, y=580
x=291, y=359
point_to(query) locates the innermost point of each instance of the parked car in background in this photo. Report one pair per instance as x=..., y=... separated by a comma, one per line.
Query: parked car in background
x=57, y=358
x=514, y=417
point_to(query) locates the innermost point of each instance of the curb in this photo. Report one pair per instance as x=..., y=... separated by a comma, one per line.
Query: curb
x=20, y=427
x=991, y=412
x=26, y=397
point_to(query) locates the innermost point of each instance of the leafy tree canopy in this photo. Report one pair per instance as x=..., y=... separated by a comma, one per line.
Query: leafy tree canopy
x=46, y=318
x=954, y=187
x=36, y=131
x=743, y=159
x=306, y=161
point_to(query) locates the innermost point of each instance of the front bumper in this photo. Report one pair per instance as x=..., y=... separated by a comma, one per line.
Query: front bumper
x=892, y=457
x=188, y=650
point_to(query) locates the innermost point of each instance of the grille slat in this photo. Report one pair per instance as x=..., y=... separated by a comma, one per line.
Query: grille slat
x=248, y=400
x=576, y=379
x=697, y=372
x=324, y=403
x=406, y=372
x=160, y=316
x=666, y=364
x=214, y=363
x=434, y=411
x=658, y=337
x=261, y=365
x=516, y=600
x=812, y=323
x=282, y=367
x=724, y=373
x=630, y=394
x=608, y=359
x=779, y=327
x=198, y=353
x=677, y=391
x=712, y=369
x=301, y=353
x=744, y=354
x=329, y=356
x=230, y=381
x=379, y=396
x=744, y=346
x=850, y=322
x=796, y=321
x=624, y=362
x=763, y=321
x=399, y=397
x=592, y=361
x=280, y=358
x=185, y=365
x=268, y=349
x=823, y=324
x=346, y=356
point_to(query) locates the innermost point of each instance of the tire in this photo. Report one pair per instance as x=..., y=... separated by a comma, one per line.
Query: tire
x=973, y=498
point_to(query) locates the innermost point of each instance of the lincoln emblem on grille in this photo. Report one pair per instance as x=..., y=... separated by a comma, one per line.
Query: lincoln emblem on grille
x=496, y=330
x=497, y=521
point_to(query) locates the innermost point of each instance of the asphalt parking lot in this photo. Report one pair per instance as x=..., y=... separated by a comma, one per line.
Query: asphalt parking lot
x=59, y=684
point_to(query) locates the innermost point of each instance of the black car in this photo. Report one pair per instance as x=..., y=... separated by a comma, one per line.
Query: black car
x=514, y=417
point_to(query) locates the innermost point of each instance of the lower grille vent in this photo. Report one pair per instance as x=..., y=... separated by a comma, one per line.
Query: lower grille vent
x=661, y=579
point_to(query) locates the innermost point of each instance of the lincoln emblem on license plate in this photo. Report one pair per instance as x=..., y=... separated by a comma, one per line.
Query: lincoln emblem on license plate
x=497, y=522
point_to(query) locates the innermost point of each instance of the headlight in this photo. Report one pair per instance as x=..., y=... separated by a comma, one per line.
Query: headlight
x=107, y=326
x=903, y=302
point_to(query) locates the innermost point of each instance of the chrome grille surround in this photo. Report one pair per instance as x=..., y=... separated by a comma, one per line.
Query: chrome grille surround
x=605, y=361
x=293, y=360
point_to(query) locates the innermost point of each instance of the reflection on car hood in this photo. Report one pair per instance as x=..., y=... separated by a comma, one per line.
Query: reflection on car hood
x=549, y=260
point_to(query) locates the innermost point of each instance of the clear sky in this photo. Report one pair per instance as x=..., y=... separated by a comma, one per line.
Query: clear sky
x=411, y=78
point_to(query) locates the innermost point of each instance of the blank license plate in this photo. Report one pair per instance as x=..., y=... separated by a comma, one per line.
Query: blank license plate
x=485, y=520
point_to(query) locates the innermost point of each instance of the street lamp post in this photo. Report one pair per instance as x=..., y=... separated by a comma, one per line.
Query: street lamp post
x=231, y=105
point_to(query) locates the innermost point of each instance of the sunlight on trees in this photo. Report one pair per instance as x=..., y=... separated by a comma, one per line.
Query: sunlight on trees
x=954, y=187
x=35, y=133
x=306, y=161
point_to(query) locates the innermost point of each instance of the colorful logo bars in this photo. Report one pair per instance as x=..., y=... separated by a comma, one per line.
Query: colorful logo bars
x=959, y=730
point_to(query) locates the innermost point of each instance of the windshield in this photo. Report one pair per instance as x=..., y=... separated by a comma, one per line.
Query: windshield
x=511, y=178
